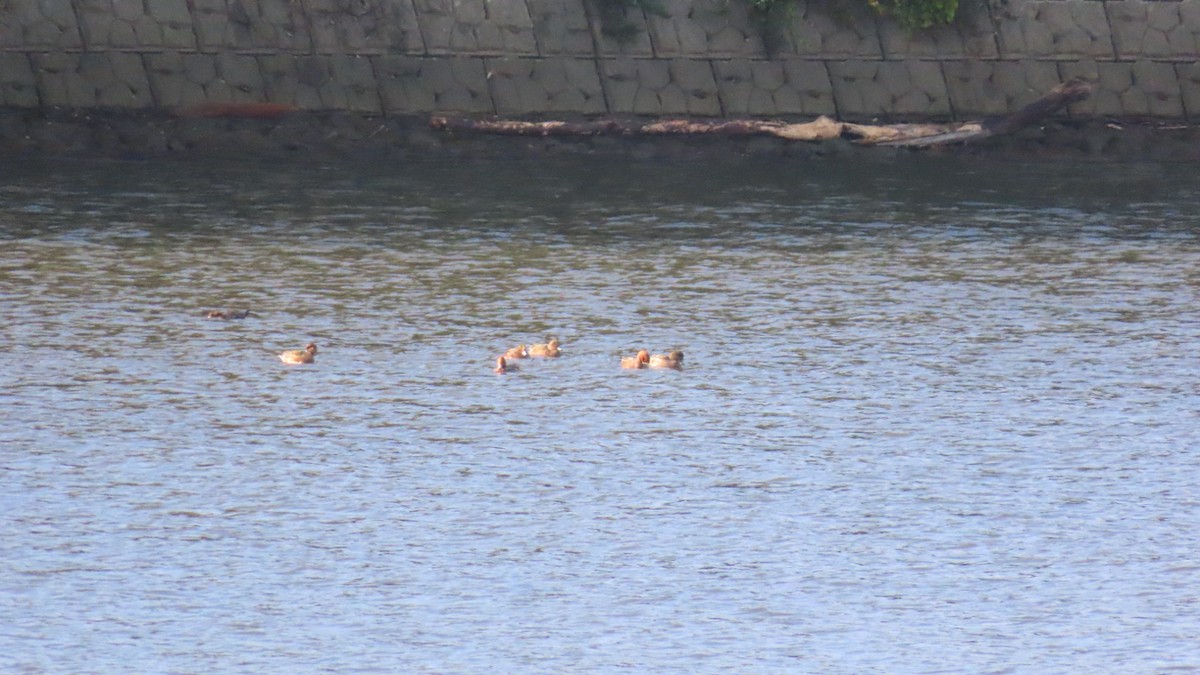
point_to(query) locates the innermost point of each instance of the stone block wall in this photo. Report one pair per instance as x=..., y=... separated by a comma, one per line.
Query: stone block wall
x=534, y=58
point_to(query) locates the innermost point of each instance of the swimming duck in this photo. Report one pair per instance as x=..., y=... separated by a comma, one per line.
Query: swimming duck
x=639, y=361
x=227, y=314
x=503, y=366
x=518, y=352
x=298, y=356
x=672, y=360
x=548, y=349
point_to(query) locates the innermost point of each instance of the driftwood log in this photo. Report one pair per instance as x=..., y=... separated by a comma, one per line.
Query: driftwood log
x=820, y=129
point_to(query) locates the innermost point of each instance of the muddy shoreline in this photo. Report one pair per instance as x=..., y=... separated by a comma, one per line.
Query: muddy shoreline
x=342, y=135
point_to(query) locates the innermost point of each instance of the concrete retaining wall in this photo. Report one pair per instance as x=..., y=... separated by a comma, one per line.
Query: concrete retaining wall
x=548, y=57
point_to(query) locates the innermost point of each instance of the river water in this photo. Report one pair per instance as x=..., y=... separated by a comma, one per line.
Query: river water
x=934, y=417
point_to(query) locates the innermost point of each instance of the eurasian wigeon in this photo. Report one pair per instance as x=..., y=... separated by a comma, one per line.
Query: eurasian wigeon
x=227, y=314
x=503, y=366
x=672, y=360
x=548, y=349
x=297, y=356
x=518, y=352
x=638, y=361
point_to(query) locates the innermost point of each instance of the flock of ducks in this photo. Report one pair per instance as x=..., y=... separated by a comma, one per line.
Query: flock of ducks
x=551, y=349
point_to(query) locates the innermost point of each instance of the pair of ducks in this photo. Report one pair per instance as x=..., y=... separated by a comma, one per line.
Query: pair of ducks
x=547, y=350
x=643, y=359
x=292, y=357
x=307, y=354
x=295, y=357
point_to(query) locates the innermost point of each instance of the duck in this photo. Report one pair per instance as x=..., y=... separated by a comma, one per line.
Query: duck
x=503, y=366
x=227, y=314
x=671, y=360
x=638, y=361
x=297, y=356
x=548, y=349
x=518, y=352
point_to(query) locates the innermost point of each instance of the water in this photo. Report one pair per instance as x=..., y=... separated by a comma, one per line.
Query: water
x=934, y=417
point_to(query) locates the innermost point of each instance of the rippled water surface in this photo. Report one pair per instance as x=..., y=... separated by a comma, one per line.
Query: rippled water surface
x=934, y=417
